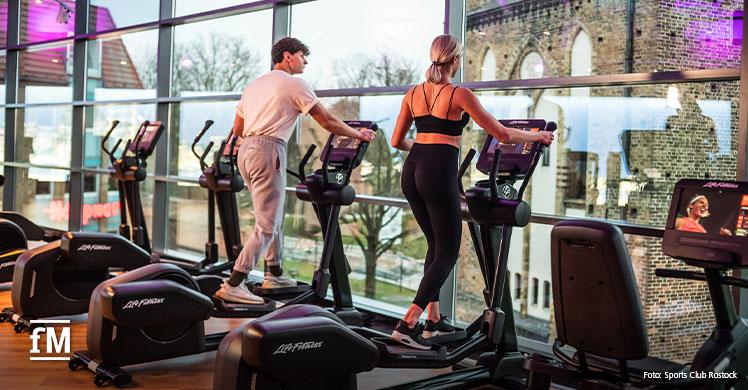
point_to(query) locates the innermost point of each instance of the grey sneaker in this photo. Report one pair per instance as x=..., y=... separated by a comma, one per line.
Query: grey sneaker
x=238, y=294
x=272, y=281
x=411, y=337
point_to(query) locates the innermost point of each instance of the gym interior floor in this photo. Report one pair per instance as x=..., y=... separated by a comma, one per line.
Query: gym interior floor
x=189, y=372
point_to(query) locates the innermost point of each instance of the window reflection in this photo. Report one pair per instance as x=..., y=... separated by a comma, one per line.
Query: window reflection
x=123, y=67
x=45, y=74
x=46, y=20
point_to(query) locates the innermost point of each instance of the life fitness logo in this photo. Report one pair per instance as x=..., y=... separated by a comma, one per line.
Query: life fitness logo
x=299, y=346
x=9, y=264
x=57, y=345
x=94, y=247
x=716, y=184
x=138, y=303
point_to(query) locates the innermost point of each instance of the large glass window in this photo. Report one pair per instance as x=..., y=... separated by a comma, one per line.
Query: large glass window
x=618, y=153
x=45, y=74
x=211, y=59
x=699, y=34
x=395, y=52
x=614, y=157
x=44, y=20
x=123, y=67
x=44, y=135
x=106, y=15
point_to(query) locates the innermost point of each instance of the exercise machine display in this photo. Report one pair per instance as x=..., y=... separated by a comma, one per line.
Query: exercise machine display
x=495, y=207
x=594, y=287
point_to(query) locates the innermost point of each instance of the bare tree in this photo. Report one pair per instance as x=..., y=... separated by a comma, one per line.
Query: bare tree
x=367, y=220
x=214, y=62
x=382, y=70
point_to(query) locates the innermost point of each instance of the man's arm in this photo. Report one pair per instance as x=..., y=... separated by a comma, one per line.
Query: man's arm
x=331, y=123
x=238, y=128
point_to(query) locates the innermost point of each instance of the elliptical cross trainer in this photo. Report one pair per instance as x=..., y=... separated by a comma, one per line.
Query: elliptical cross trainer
x=250, y=353
x=158, y=312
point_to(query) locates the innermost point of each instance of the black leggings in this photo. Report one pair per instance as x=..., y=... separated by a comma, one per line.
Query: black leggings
x=429, y=183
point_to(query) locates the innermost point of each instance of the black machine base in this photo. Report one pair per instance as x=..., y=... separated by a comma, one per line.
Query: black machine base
x=103, y=375
x=20, y=323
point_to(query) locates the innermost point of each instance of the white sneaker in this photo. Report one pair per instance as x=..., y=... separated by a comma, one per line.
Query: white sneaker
x=238, y=294
x=272, y=281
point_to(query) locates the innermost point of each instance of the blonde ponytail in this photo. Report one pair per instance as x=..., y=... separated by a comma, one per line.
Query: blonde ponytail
x=444, y=49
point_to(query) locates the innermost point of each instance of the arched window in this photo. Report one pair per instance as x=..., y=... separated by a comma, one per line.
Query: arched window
x=581, y=55
x=532, y=66
x=488, y=68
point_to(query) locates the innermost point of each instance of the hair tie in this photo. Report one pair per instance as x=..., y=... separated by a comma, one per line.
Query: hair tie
x=435, y=63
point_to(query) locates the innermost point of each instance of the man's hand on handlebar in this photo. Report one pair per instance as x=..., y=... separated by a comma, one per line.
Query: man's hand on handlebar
x=366, y=135
x=546, y=137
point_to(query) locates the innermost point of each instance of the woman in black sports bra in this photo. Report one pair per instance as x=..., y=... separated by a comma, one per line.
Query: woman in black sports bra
x=440, y=111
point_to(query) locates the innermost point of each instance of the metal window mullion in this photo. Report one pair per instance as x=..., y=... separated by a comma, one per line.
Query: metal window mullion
x=454, y=19
x=163, y=89
x=75, y=199
x=12, y=58
x=281, y=22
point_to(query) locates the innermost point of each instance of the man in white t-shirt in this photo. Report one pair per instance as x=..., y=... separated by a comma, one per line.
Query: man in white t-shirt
x=265, y=118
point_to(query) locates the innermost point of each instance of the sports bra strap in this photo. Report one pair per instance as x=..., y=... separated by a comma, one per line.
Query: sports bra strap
x=449, y=106
x=436, y=98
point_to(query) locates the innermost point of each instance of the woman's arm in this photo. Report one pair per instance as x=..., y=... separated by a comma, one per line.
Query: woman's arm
x=467, y=100
x=402, y=125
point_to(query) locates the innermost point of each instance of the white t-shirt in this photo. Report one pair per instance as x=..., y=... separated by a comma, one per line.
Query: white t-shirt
x=272, y=102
